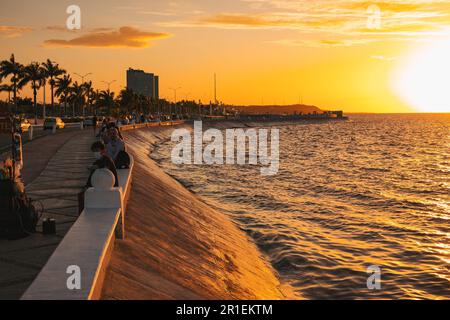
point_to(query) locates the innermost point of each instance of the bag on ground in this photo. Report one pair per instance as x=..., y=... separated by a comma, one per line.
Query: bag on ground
x=123, y=160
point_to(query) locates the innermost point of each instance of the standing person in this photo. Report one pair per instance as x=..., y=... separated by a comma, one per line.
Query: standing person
x=102, y=127
x=94, y=124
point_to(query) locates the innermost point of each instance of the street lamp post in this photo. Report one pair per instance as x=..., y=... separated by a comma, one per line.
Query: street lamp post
x=82, y=81
x=83, y=76
x=109, y=84
x=186, y=104
x=175, y=92
x=175, y=96
x=44, y=111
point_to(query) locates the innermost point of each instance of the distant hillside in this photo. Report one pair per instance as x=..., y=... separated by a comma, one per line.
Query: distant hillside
x=289, y=109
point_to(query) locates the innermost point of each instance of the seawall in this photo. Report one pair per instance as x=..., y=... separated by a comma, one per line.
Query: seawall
x=177, y=247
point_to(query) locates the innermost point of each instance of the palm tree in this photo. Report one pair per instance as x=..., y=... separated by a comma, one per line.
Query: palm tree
x=14, y=69
x=88, y=93
x=127, y=100
x=106, y=98
x=76, y=96
x=63, y=89
x=33, y=73
x=94, y=101
x=94, y=97
x=43, y=85
x=143, y=104
x=7, y=88
x=52, y=71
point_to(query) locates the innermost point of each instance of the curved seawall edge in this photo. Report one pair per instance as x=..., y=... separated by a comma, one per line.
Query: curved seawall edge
x=177, y=247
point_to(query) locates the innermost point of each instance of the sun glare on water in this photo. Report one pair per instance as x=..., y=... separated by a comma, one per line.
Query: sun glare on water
x=423, y=78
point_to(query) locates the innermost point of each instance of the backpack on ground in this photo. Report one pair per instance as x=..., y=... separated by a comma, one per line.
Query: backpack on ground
x=123, y=160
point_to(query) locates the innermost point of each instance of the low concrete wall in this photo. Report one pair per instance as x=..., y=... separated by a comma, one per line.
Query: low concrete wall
x=150, y=124
x=86, y=249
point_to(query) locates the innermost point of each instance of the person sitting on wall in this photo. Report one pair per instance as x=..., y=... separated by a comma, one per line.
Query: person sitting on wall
x=114, y=125
x=115, y=143
x=105, y=136
x=103, y=160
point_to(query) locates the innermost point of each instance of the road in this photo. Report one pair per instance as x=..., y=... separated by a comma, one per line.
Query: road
x=38, y=132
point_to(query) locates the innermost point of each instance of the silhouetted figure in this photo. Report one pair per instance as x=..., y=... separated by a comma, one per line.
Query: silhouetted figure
x=94, y=124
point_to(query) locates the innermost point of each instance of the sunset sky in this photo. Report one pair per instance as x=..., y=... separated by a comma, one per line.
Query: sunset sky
x=332, y=54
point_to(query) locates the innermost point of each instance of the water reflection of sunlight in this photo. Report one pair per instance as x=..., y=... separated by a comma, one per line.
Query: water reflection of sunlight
x=332, y=211
x=444, y=209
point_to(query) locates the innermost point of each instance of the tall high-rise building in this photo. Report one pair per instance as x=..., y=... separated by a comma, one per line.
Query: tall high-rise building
x=156, y=87
x=143, y=83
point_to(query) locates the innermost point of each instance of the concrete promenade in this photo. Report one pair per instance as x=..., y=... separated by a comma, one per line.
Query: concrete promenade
x=55, y=171
x=38, y=132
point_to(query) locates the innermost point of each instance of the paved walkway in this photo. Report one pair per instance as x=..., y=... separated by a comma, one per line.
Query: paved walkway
x=5, y=139
x=55, y=171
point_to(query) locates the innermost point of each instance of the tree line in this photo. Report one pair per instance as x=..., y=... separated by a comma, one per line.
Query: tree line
x=82, y=98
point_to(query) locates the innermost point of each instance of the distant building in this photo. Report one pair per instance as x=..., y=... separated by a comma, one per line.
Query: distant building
x=156, y=87
x=143, y=83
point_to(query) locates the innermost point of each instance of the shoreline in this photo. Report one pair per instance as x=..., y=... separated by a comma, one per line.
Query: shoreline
x=177, y=246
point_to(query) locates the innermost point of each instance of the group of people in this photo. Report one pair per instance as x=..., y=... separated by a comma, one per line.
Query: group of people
x=109, y=152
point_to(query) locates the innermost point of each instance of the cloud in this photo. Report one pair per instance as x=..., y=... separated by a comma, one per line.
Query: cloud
x=321, y=42
x=125, y=37
x=343, y=21
x=262, y=21
x=13, y=31
x=273, y=20
x=352, y=15
x=57, y=28
x=240, y=20
x=158, y=13
x=95, y=30
x=396, y=6
x=63, y=28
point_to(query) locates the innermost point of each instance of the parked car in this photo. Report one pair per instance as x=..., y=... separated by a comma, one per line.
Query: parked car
x=72, y=119
x=50, y=122
x=89, y=122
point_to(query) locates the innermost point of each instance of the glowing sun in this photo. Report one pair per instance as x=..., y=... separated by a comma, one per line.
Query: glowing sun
x=423, y=79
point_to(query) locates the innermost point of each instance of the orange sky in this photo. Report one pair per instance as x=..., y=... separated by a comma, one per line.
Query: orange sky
x=333, y=54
